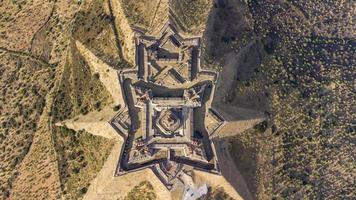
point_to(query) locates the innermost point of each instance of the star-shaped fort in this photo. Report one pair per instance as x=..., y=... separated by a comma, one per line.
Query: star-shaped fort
x=169, y=121
x=169, y=129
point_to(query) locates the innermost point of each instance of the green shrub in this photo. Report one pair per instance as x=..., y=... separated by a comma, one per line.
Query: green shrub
x=261, y=127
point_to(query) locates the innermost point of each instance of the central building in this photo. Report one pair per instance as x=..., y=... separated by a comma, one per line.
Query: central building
x=167, y=123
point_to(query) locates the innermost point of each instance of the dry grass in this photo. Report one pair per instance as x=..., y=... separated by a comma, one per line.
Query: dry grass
x=81, y=156
x=18, y=14
x=35, y=32
x=306, y=79
x=229, y=29
x=216, y=193
x=251, y=151
x=38, y=176
x=24, y=85
x=80, y=90
x=51, y=40
x=192, y=15
x=93, y=27
x=141, y=12
x=47, y=26
x=146, y=14
x=143, y=191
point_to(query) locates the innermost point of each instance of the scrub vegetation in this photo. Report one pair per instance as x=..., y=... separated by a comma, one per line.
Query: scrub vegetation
x=305, y=80
x=142, y=191
x=24, y=85
x=191, y=15
x=292, y=60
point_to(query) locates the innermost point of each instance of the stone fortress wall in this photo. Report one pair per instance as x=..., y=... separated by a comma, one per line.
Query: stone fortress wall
x=167, y=97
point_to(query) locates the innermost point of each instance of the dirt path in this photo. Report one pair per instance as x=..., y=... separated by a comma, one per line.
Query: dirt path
x=154, y=16
x=237, y=119
x=38, y=172
x=160, y=17
x=43, y=25
x=27, y=55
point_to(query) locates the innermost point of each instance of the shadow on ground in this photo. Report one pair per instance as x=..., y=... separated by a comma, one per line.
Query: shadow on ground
x=231, y=47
